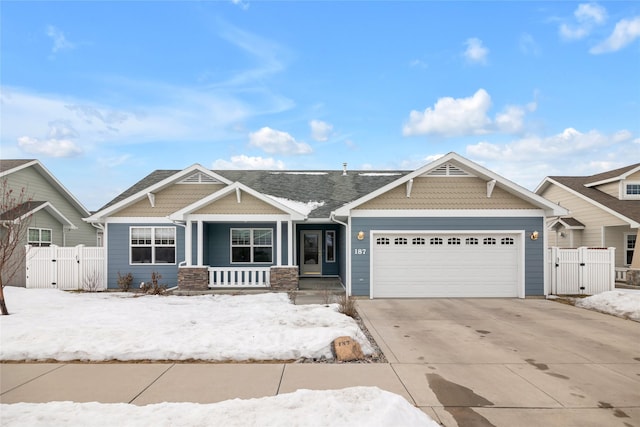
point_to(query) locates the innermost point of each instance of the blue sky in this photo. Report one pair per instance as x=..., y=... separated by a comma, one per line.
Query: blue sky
x=103, y=93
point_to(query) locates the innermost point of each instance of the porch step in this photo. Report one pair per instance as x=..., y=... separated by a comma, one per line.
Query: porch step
x=322, y=284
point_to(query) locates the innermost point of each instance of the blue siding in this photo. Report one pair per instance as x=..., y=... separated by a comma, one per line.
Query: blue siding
x=534, y=249
x=217, y=251
x=118, y=257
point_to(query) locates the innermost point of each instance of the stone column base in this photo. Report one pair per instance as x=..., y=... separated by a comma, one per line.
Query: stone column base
x=193, y=278
x=284, y=278
x=633, y=277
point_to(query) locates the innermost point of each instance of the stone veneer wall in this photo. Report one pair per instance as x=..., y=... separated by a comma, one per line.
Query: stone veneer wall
x=193, y=278
x=284, y=278
x=633, y=277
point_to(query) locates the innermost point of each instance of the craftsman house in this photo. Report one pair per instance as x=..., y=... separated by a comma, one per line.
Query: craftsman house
x=604, y=211
x=449, y=229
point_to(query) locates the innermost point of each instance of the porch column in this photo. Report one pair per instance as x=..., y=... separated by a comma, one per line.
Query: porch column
x=188, y=253
x=635, y=260
x=290, y=248
x=200, y=244
x=279, y=242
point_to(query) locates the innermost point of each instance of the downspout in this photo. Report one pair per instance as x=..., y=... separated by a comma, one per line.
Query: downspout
x=183, y=225
x=332, y=217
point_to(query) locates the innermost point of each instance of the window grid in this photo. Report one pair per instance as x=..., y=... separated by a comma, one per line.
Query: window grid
x=39, y=236
x=471, y=241
x=382, y=241
x=488, y=241
x=633, y=189
x=251, y=245
x=400, y=241
x=507, y=241
x=435, y=241
x=418, y=241
x=152, y=245
x=453, y=241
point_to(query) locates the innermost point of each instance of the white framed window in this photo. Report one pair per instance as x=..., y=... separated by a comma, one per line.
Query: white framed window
x=507, y=241
x=435, y=241
x=39, y=237
x=400, y=241
x=251, y=245
x=632, y=190
x=453, y=241
x=471, y=241
x=629, y=246
x=382, y=241
x=152, y=245
x=418, y=241
x=330, y=245
x=488, y=241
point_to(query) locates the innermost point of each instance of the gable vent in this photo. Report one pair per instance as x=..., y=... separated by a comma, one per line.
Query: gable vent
x=448, y=170
x=199, y=178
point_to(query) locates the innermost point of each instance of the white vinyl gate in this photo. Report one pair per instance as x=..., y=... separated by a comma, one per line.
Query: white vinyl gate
x=582, y=270
x=67, y=268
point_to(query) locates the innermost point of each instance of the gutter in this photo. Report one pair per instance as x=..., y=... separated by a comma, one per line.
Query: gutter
x=332, y=217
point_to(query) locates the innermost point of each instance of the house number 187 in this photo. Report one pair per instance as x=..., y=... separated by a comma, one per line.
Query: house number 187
x=359, y=251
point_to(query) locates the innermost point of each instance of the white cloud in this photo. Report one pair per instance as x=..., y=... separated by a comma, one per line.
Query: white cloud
x=245, y=162
x=452, y=117
x=625, y=32
x=60, y=42
x=49, y=147
x=528, y=45
x=587, y=16
x=476, y=52
x=320, y=130
x=275, y=141
x=511, y=120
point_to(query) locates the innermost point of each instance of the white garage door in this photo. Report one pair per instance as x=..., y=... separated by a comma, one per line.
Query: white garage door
x=446, y=265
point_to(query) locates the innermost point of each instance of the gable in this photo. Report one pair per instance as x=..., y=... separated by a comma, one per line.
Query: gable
x=168, y=200
x=228, y=205
x=446, y=192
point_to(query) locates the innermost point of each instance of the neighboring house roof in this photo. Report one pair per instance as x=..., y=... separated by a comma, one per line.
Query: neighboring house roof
x=582, y=186
x=23, y=210
x=568, y=223
x=7, y=167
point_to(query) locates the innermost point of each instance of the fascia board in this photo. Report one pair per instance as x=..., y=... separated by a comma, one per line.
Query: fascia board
x=52, y=211
x=179, y=215
x=615, y=178
x=632, y=223
x=100, y=215
x=17, y=168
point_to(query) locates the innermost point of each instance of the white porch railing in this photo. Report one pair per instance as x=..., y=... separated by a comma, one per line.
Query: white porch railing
x=239, y=277
x=621, y=274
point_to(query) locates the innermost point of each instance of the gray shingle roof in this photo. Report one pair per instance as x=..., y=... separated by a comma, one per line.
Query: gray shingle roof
x=331, y=187
x=8, y=164
x=627, y=208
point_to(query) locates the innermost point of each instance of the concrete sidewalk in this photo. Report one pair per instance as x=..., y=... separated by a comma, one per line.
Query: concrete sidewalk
x=463, y=362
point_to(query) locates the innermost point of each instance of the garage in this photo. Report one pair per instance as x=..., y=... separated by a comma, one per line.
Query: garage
x=447, y=264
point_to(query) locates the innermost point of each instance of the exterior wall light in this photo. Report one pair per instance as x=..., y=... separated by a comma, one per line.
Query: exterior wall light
x=360, y=235
x=534, y=235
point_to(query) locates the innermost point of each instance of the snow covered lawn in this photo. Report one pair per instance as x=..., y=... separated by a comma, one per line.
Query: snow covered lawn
x=621, y=303
x=356, y=406
x=51, y=324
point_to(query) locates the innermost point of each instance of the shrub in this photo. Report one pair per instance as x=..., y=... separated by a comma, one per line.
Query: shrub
x=124, y=282
x=153, y=287
x=347, y=305
x=92, y=282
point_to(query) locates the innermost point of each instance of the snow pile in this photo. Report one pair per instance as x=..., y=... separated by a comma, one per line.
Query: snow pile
x=357, y=406
x=619, y=303
x=51, y=324
x=300, y=207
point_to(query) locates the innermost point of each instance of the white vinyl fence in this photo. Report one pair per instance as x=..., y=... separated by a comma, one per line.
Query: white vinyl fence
x=67, y=268
x=578, y=271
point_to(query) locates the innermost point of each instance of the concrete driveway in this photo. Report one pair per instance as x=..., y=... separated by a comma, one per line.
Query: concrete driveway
x=511, y=362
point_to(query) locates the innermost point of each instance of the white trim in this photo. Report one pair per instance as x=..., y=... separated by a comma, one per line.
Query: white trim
x=251, y=246
x=521, y=248
x=548, y=181
x=418, y=213
x=153, y=245
x=200, y=243
x=138, y=220
x=623, y=190
x=326, y=246
x=48, y=176
x=237, y=187
x=290, y=248
x=52, y=211
x=239, y=218
x=188, y=243
x=625, y=248
x=101, y=215
x=479, y=171
x=278, y=244
x=615, y=178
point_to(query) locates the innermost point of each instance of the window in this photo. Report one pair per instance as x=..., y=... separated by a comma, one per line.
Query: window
x=453, y=241
x=400, y=241
x=39, y=237
x=418, y=241
x=435, y=241
x=330, y=245
x=382, y=241
x=488, y=241
x=507, y=241
x=251, y=245
x=471, y=241
x=153, y=245
x=632, y=190
x=630, y=244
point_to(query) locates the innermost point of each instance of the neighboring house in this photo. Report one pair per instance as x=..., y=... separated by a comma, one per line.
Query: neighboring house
x=55, y=216
x=604, y=211
x=449, y=229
